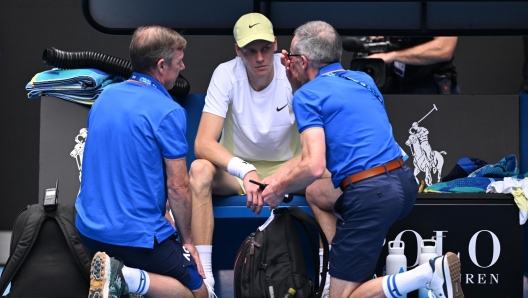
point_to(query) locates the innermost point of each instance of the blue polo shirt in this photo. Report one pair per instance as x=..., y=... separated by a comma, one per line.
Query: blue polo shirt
x=357, y=130
x=132, y=126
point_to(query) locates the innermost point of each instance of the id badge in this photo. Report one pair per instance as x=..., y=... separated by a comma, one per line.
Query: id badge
x=399, y=68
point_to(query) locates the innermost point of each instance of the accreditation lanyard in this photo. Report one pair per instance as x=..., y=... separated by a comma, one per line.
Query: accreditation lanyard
x=137, y=78
x=333, y=74
x=148, y=81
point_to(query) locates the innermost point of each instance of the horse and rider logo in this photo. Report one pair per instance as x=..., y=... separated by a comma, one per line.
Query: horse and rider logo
x=78, y=150
x=425, y=159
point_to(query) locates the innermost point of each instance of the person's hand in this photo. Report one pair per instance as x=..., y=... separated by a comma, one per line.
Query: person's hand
x=292, y=76
x=266, y=180
x=270, y=196
x=191, y=249
x=386, y=57
x=254, y=198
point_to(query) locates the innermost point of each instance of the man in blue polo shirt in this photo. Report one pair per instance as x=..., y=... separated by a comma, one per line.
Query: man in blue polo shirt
x=344, y=128
x=134, y=159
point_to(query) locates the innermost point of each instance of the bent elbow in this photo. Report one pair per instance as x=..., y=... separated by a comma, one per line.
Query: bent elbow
x=198, y=149
x=446, y=53
x=447, y=56
x=317, y=170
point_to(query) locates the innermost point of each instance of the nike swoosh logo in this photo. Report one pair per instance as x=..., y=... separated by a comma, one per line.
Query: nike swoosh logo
x=279, y=109
x=251, y=26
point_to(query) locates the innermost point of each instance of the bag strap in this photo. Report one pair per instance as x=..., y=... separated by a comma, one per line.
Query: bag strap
x=18, y=254
x=304, y=218
x=65, y=217
x=315, y=250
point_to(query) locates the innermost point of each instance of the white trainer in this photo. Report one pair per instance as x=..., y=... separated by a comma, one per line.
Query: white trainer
x=446, y=277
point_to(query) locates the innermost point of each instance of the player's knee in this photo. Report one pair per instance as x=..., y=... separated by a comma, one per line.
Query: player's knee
x=314, y=196
x=322, y=195
x=201, y=172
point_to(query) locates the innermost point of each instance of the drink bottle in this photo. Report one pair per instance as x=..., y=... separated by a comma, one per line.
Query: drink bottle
x=428, y=249
x=396, y=260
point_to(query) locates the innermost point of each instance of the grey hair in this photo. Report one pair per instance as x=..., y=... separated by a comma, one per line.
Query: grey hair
x=319, y=42
x=150, y=44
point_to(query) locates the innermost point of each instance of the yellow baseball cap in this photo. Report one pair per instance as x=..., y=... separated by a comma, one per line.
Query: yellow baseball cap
x=253, y=26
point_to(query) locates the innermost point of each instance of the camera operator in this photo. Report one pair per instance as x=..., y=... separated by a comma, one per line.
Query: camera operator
x=423, y=65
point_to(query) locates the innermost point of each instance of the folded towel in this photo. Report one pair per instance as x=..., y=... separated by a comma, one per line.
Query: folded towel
x=461, y=185
x=78, y=85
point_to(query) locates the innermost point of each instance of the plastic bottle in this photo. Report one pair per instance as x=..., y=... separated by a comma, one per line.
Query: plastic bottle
x=396, y=260
x=428, y=252
x=291, y=293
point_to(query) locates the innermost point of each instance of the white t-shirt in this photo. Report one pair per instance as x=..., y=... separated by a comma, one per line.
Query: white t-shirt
x=259, y=126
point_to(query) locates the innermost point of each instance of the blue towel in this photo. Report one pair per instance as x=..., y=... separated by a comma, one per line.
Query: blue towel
x=464, y=167
x=77, y=85
x=478, y=180
x=506, y=167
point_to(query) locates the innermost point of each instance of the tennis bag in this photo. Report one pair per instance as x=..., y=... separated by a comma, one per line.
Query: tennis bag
x=46, y=258
x=270, y=261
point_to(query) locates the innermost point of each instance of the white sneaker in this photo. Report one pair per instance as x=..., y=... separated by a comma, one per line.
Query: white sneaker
x=446, y=277
x=210, y=290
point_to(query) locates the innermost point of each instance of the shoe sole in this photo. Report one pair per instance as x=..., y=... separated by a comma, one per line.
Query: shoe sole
x=99, y=274
x=451, y=268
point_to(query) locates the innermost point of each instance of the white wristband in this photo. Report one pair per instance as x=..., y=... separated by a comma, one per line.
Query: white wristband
x=239, y=168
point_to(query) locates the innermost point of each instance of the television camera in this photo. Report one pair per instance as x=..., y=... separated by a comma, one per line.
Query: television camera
x=375, y=67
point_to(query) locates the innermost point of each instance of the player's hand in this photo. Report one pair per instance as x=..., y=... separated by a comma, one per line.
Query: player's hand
x=270, y=196
x=253, y=192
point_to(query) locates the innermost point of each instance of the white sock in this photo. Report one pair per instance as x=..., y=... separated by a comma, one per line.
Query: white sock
x=402, y=283
x=205, y=252
x=138, y=281
x=321, y=253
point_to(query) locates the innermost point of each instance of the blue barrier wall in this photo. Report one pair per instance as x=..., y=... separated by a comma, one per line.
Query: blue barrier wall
x=523, y=132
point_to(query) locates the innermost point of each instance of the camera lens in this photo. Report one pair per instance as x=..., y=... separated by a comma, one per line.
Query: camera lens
x=375, y=68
